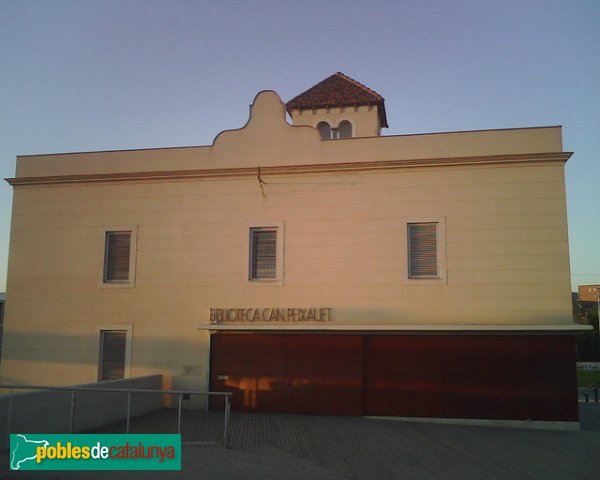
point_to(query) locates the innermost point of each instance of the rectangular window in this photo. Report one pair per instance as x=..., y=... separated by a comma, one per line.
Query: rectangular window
x=117, y=257
x=263, y=253
x=113, y=349
x=423, y=250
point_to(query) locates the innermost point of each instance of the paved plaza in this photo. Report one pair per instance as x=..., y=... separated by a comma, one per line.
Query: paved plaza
x=274, y=446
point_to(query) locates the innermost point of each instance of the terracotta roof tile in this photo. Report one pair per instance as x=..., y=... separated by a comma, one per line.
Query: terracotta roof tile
x=336, y=91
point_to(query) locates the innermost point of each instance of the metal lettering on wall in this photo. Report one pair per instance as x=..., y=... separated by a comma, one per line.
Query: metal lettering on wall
x=266, y=315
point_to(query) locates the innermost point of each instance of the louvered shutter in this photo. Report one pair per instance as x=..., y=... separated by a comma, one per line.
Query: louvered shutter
x=118, y=250
x=112, y=361
x=422, y=250
x=263, y=254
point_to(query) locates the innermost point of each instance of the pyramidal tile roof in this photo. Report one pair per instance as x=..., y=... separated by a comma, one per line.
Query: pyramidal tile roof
x=339, y=90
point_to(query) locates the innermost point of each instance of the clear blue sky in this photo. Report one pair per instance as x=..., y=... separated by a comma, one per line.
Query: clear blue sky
x=101, y=75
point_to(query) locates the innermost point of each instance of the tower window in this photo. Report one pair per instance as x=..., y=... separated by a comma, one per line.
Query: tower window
x=324, y=130
x=344, y=129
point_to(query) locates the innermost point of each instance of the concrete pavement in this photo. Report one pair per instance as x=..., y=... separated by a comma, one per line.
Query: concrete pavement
x=269, y=446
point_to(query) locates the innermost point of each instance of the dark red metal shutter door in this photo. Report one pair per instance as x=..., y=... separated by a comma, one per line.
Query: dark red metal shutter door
x=502, y=377
x=324, y=374
x=313, y=374
x=402, y=376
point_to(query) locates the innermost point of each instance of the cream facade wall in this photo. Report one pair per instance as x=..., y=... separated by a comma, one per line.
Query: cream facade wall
x=268, y=140
x=506, y=246
x=364, y=119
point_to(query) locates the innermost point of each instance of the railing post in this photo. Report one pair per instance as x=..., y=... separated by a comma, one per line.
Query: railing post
x=73, y=405
x=179, y=415
x=128, y=410
x=226, y=426
x=596, y=394
x=72, y=419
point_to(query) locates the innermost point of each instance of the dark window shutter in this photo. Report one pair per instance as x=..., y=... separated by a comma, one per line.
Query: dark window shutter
x=422, y=250
x=118, y=251
x=264, y=254
x=112, y=362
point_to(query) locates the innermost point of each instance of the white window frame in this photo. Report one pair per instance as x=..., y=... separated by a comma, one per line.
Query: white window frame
x=129, y=329
x=442, y=277
x=130, y=282
x=279, y=256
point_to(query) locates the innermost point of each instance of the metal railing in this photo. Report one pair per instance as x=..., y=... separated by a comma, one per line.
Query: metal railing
x=593, y=388
x=128, y=391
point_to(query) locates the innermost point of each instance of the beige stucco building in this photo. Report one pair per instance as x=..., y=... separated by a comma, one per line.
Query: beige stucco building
x=312, y=266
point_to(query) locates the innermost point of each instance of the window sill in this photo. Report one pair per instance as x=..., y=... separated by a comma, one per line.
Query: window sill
x=117, y=284
x=426, y=281
x=264, y=282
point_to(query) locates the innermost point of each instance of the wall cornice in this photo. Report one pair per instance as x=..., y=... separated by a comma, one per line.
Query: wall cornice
x=219, y=173
x=569, y=329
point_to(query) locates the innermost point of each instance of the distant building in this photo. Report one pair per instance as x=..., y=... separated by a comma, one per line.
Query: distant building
x=588, y=293
x=585, y=304
x=585, y=311
x=313, y=267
